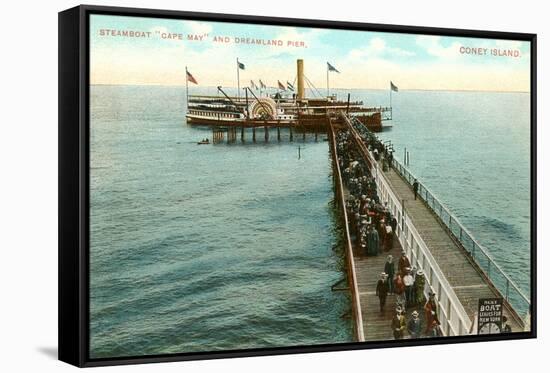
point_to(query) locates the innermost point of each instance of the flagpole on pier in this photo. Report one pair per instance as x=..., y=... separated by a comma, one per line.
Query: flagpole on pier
x=391, y=107
x=328, y=86
x=187, y=87
x=238, y=80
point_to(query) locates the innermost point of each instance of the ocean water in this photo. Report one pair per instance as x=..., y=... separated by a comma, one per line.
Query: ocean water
x=211, y=247
x=229, y=246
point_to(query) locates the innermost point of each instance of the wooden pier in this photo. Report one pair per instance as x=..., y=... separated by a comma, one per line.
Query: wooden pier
x=450, y=272
x=266, y=133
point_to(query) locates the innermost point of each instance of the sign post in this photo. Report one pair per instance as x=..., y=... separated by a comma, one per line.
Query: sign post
x=489, y=319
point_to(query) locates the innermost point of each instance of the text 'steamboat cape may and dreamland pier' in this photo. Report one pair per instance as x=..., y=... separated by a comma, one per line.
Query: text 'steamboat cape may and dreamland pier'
x=459, y=272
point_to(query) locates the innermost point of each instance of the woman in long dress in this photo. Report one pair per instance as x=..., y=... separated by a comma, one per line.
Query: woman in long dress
x=419, y=284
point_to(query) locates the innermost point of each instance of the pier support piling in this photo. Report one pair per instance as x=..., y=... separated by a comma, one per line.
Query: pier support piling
x=254, y=134
x=291, y=137
x=231, y=134
x=266, y=135
x=217, y=136
x=278, y=133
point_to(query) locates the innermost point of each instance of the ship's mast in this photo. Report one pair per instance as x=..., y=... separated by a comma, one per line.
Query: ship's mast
x=300, y=78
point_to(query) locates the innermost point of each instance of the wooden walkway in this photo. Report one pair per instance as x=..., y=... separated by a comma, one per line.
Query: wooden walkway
x=462, y=274
x=376, y=324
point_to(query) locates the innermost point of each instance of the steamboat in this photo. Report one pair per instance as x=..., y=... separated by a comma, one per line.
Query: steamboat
x=281, y=109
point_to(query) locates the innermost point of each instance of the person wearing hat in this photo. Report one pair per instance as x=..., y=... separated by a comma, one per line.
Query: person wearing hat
x=380, y=228
x=388, y=241
x=430, y=309
x=389, y=269
x=399, y=290
x=393, y=222
x=352, y=185
x=414, y=271
x=363, y=203
x=419, y=284
x=357, y=225
x=398, y=323
x=408, y=281
x=359, y=186
x=363, y=237
x=403, y=263
x=346, y=174
x=414, y=326
x=505, y=328
x=415, y=188
x=372, y=241
x=382, y=290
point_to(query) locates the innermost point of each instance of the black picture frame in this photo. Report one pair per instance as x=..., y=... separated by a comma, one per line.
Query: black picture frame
x=74, y=160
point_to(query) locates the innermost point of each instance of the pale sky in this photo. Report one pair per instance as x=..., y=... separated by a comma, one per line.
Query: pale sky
x=367, y=60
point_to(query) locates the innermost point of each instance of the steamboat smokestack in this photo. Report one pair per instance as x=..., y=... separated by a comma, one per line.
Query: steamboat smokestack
x=300, y=77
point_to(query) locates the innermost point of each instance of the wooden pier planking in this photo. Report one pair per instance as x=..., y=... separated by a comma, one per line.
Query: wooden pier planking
x=463, y=275
x=376, y=325
x=468, y=284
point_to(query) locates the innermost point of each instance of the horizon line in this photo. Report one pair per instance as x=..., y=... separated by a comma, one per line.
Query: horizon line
x=336, y=88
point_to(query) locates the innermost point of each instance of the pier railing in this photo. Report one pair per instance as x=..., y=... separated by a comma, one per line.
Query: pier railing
x=509, y=290
x=352, y=275
x=453, y=317
x=504, y=284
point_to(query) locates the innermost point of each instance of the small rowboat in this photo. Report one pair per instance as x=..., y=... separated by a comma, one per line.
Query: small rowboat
x=203, y=142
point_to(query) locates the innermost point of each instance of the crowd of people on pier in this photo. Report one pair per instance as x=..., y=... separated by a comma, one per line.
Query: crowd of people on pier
x=408, y=285
x=373, y=228
x=371, y=221
x=380, y=152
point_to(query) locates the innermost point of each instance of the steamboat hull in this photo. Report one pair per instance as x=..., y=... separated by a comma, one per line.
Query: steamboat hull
x=317, y=122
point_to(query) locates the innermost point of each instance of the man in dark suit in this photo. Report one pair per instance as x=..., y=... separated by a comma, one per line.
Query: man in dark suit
x=398, y=324
x=382, y=290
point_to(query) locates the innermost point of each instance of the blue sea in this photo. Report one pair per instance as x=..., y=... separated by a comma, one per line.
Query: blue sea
x=230, y=246
x=211, y=247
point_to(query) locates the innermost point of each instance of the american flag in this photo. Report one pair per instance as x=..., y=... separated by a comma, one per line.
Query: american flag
x=191, y=78
x=393, y=87
x=332, y=68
